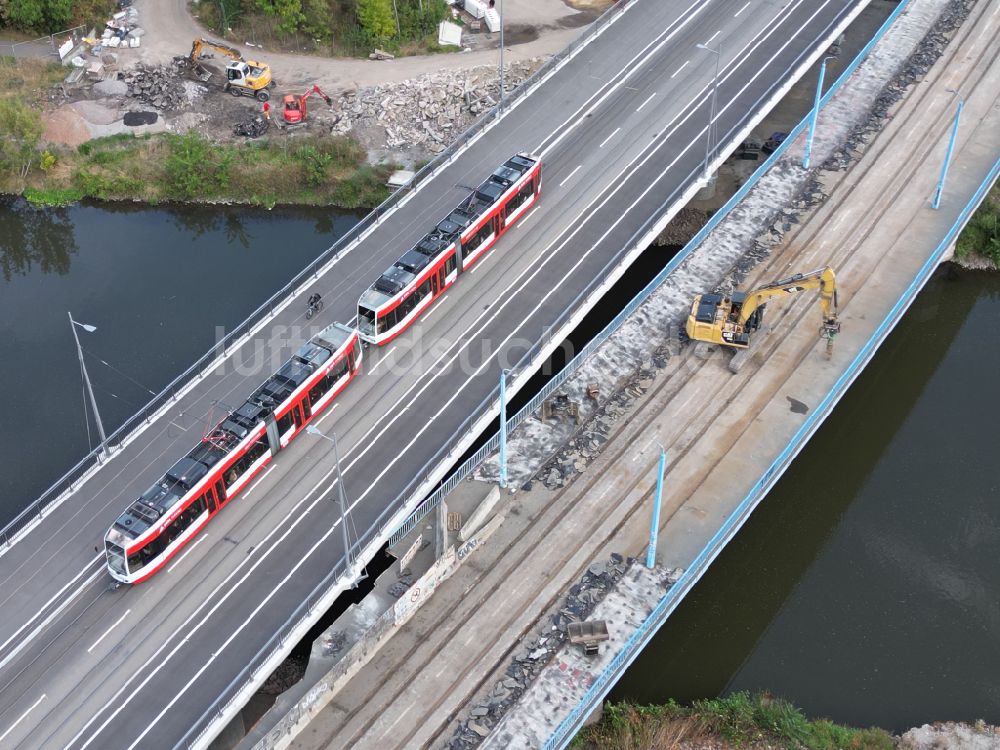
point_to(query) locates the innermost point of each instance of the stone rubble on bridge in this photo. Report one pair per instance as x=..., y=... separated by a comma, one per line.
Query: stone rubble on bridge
x=547, y=672
x=429, y=111
x=535, y=652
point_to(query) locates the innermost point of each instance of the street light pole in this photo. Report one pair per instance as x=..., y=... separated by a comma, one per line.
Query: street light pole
x=947, y=155
x=654, y=526
x=714, y=105
x=500, y=103
x=503, y=428
x=342, y=494
x=86, y=380
x=815, y=114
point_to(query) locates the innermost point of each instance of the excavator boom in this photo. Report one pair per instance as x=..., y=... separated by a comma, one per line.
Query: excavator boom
x=731, y=321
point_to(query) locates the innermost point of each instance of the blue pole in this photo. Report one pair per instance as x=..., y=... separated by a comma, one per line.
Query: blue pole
x=947, y=155
x=654, y=527
x=815, y=114
x=503, y=429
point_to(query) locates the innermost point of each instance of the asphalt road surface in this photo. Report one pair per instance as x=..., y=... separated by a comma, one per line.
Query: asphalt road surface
x=622, y=131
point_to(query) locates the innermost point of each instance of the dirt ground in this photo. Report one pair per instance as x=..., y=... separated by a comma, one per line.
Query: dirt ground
x=533, y=29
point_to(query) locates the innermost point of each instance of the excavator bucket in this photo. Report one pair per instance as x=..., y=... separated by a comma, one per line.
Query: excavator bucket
x=201, y=72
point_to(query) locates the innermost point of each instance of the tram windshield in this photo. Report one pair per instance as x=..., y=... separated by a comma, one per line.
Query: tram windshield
x=116, y=558
x=366, y=320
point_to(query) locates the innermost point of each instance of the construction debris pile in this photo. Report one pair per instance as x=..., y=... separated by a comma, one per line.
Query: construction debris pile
x=159, y=86
x=536, y=650
x=121, y=30
x=429, y=111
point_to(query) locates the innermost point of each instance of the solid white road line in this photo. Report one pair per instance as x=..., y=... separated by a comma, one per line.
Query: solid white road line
x=546, y=256
x=642, y=56
x=613, y=133
x=21, y=718
x=745, y=6
x=383, y=359
x=570, y=175
x=712, y=38
x=260, y=479
x=435, y=308
x=329, y=411
x=189, y=550
x=648, y=100
x=524, y=221
x=45, y=606
x=230, y=589
x=55, y=613
x=108, y=631
x=686, y=63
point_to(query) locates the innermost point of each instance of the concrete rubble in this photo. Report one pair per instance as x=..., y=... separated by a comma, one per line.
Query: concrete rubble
x=555, y=450
x=159, y=86
x=547, y=672
x=429, y=111
x=536, y=651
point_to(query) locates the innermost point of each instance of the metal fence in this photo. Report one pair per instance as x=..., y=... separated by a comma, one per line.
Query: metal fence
x=44, y=46
x=121, y=436
x=600, y=687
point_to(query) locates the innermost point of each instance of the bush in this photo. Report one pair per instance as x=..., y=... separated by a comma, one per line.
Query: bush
x=196, y=169
x=982, y=234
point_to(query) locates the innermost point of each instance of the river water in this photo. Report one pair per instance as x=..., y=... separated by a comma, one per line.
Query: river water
x=155, y=281
x=865, y=588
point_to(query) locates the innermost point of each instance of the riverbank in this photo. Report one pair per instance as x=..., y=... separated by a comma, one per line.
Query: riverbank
x=314, y=171
x=759, y=722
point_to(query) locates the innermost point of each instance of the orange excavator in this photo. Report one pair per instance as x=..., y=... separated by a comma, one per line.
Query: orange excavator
x=294, y=109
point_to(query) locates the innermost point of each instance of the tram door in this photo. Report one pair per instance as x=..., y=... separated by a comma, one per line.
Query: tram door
x=271, y=430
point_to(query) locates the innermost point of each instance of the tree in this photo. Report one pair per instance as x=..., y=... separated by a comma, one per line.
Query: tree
x=376, y=18
x=25, y=14
x=288, y=12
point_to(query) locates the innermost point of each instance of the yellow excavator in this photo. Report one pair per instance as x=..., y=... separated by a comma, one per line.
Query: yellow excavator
x=732, y=321
x=243, y=77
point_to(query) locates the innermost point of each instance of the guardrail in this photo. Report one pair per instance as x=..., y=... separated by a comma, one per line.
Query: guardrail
x=121, y=436
x=278, y=642
x=630, y=650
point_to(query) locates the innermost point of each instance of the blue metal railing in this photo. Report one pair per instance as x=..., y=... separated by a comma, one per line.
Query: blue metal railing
x=530, y=359
x=630, y=650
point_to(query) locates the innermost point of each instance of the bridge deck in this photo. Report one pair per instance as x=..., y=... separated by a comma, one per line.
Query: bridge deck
x=82, y=665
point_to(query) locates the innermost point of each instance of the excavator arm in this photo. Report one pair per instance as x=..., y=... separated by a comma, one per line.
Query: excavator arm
x=198, y=47
x=822, y=279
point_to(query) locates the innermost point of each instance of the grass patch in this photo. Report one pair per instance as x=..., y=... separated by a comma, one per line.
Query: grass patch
x=981, y=235
x=53, y=197
x=169, y=167
x=740, y=720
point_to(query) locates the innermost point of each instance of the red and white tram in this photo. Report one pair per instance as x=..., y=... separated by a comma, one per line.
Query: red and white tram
x=174, y=510
x=412, y=283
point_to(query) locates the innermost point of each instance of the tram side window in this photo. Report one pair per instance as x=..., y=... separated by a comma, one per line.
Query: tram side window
x=184, y=520
x=518, y=199
x=285, y=423
x=143, y=557
x=479, y=237
x=338, y=371
x=237, y=470
x=451, y=264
